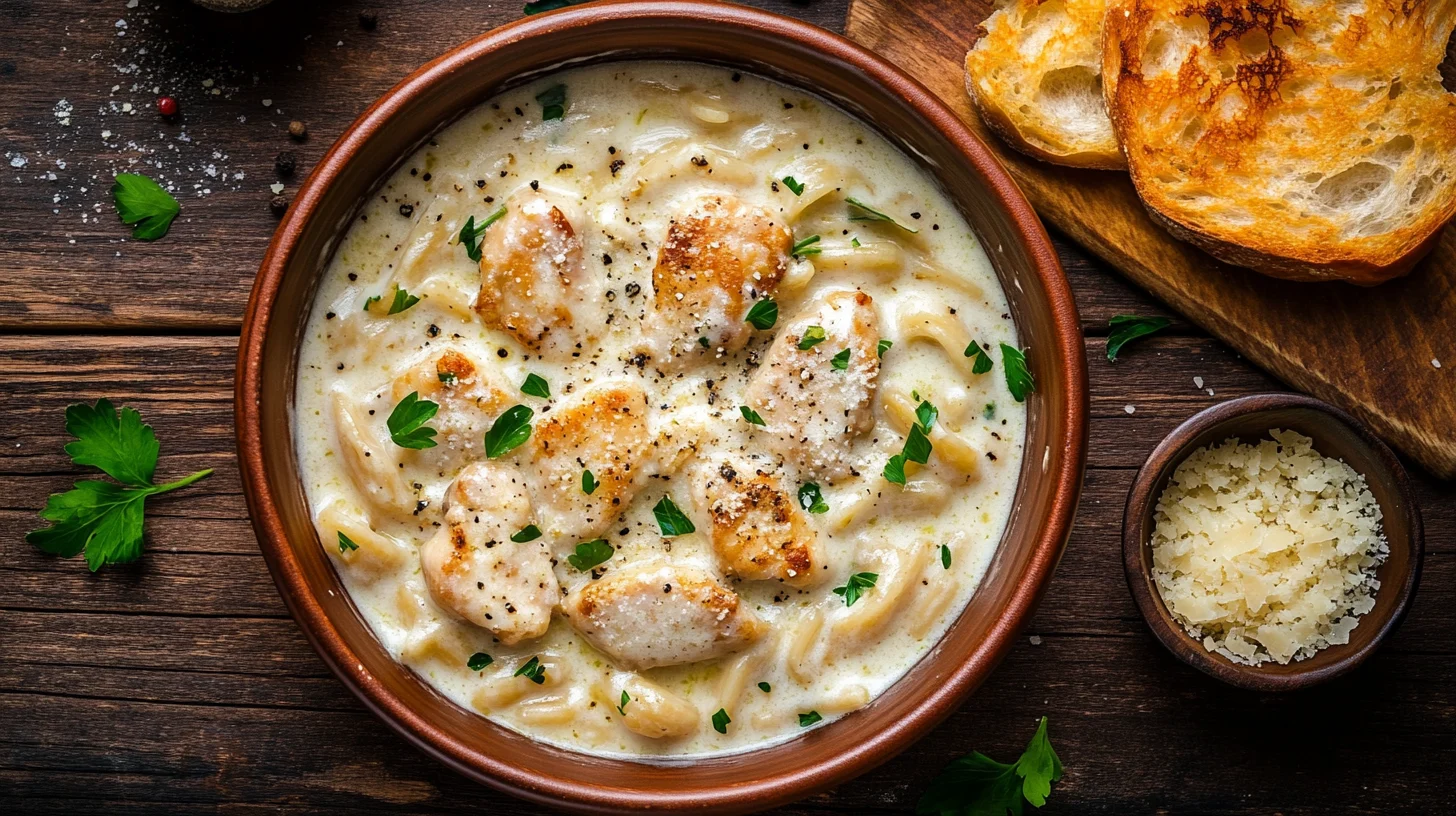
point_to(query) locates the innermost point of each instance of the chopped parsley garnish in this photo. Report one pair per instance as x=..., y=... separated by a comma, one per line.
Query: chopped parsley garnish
x=100, y=518
x=840, y=361
x=671, y=520
x=806, y=247
x=811, y=499
x=370, y=301
x=926, y=414
x=532, y=670
x=721, y=720
x=553, y=102
x=751, y=415
x=407, y=422
x=860, y=211
x=813, y=336
x=703, y=341
x=882, y=347
x=402, y=301
x=536, y=386
x=528, y=533
x=144, y=206
x=982, y=363
x=894, y=471
x=945, y=556
x=589, y=483
x=979, y=784
x=1018, y=376
x=854, y=242
x=990, y=412
x=538, y=6
x=809, y=718
x=794, y=186
x=764, y=314
x=857, y=585
x=590, y=554
x=622, y=706
x=509, y=432
x=470, y=234
x=479, y=660
x=447, y=377
x=765, y=688
x=1126, y=328
x=345, y=543
x=917, y=443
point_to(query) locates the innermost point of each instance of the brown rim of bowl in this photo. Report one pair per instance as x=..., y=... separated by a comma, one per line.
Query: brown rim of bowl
x=1065, y=474
x=1198, y=431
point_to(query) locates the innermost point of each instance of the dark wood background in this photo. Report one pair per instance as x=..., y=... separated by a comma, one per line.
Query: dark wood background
x=180, y=684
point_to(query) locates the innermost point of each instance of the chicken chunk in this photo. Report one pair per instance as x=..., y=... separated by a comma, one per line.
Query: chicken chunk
x=604, y=431
x=468, y=396
x=472, y=567
x=650, y=615
x=813, y=407
x=759, y=531
x=532, y=281
x=720, y=254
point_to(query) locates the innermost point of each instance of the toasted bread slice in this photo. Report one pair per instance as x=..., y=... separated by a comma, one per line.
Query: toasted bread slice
x=1309, y=141
x=1036, y=76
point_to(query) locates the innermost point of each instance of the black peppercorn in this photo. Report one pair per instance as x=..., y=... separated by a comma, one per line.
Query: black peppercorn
x=278, y=204
x=368, y=19
x=406, y=210
x=285, y=163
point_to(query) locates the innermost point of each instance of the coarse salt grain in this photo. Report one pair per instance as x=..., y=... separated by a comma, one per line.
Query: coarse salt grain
x=1267, y=552
x=1131, y=409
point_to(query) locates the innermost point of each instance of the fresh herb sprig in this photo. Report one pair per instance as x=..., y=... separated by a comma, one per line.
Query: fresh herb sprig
x=144, y=206
x=1018, y=377
x=917, y=444
x=470, y=234
x=553, y=102
x=982, y=362
x=407, y=422
x=977, y=784
x=536, y=386
x=509, y=431
x=806, y=247
x=857, y=585
x=102, y=519
x=764, y=314
x=1127, y=328
x=813, y=336
x=811, y=498
x=590, y=554
x=860, y=211
x=671, y=519
x=532, y=670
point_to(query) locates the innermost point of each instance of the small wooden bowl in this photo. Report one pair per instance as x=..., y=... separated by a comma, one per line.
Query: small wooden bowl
x=1335, y=433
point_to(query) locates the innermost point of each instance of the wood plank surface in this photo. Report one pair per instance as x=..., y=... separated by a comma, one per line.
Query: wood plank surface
x=1368, y=350
x=180, y=685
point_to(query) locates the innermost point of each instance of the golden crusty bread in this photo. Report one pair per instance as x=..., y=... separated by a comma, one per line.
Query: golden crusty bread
x=1036, y=76
x=1307, y=140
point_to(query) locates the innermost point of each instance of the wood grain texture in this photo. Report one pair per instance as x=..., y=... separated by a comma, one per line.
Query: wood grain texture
x=1367, y=350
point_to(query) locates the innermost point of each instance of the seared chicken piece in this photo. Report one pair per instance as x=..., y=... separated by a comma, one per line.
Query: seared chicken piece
x=813, y=407
x=531, y=278
x=475, y=571
x=657, y=614
x=468, y=397
x=758, y=528
x=720, y=255
x=605, y=431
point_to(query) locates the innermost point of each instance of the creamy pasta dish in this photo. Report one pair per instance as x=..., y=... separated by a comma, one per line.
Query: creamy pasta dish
x=653, y=409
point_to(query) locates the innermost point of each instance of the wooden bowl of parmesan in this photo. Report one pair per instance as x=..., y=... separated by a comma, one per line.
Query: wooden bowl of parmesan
x=1272, y=542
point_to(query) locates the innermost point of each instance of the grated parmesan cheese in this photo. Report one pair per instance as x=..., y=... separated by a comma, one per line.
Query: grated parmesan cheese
x=1267, y=552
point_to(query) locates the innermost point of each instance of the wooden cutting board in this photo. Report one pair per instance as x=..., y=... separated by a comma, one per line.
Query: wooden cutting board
x=1369, y=351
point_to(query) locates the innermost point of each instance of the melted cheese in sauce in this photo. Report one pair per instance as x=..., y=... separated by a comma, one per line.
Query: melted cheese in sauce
x=639, y=229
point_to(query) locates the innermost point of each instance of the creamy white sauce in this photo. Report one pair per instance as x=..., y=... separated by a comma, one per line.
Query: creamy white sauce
x=637, y=139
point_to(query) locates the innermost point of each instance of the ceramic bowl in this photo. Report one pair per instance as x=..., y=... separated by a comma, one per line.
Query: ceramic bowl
x=1335, y=433
x=797, y=54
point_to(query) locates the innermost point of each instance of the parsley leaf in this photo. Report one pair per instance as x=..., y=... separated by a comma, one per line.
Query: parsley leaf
x=589, y=483
x=447, y=377
x=765, y=687
x=538, y=6
x=840, y=361
x=536, y=386
x=510, y=430
x=811, y=499
x=857, y=585
x=622, y=706
x=894, y=471
x=346, y=544
x=794, y=186
x=553, y=102
x=813, y=336
x=882, y=347
x=470, y=233
x=1126, y=328
x=721, y=720
x=144, y=206
x=917, y=445
x=370, y=301
x=945, y=556
x=806, y=247
x=532, y=670
x=102, y=519
x=860, y=211
x=478, y=661
x=926, y=414
x=751, y=415
x=764, y=314
x=1018, y=376
x=671, y=520
x=407, y=422
x=402, y=301
x=977, y=784
x=590, y=554
x=808, y=719
x=528, y=533
x=983, y=362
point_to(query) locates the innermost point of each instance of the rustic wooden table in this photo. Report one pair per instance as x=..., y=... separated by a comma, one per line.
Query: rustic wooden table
x=180, y=684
